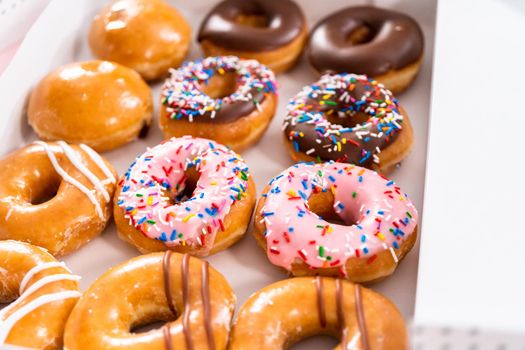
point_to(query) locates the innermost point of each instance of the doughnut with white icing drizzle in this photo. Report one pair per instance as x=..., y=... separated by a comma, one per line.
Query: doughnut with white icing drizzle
x=55, y=195
x=44, y=292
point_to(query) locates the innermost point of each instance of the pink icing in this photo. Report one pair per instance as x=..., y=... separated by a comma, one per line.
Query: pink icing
x=158, y=175
x=383, y=216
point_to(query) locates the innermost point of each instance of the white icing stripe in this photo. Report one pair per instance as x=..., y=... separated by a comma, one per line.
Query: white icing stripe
x=71, y=180
x=41, y=267
x=36, y=286
x=99, y=162
x=75, y=160
x=7, y=325
x=45, y=281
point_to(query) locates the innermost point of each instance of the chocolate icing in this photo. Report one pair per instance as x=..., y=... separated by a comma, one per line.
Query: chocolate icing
x=166, y=332
x=360, y=313
x=320, y=301
x=395, y=41
x=285, y=23
x=205, y=294
x=231, y=112
x=351, y=151
x=186, y=301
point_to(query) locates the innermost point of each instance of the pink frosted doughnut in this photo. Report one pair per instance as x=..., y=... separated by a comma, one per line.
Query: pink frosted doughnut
x=153, y=212
x=378, y=229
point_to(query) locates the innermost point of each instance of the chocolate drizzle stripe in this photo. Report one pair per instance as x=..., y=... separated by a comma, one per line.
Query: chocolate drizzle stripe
x=205, y=294
x=360, y=313
x=186, y=302
x=166, y=263
x=166, y=331
x=340, y=312
x=320, y=301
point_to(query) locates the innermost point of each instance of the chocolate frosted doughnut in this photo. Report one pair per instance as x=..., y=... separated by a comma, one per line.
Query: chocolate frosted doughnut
x=366, y=40
x=284, y=23
x=271, y=31
x=348, y=118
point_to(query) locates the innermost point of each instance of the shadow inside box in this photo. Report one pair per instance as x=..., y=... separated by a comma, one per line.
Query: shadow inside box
x=318, y=342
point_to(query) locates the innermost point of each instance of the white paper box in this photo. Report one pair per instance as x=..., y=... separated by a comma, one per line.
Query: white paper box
x=59, y=37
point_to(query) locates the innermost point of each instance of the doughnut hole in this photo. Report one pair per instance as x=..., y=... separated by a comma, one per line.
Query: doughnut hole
x=47, y=190
x=346, y=120
x=256, y=19
x=316, y=342
x=361, y=35
x=322, y=204
x=220, y=85
x=191, y=178
x=156, y=321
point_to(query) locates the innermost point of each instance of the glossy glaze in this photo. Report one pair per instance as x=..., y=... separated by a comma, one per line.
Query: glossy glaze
x=134, y=293
x=287, y=311
x=99, y=103
x=149, y=36
x=80, y=209
x=48, y=295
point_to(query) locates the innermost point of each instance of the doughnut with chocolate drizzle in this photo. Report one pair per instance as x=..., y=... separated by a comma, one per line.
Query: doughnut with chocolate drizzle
x=194, y=300
x=281, y=314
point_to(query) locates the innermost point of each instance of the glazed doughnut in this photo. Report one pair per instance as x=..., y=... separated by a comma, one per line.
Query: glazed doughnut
x=380, y=43
x=195, y=300
x=272, y=32
x=348, y=118
x=156, y=207
x=99, y=103
x=287, y=311
x=55, y=195
x=148, y=36
x=226, y=99
x=335, y=219
x=44, y=293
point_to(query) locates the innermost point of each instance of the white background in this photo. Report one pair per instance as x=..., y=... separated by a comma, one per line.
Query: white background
x=472, y=266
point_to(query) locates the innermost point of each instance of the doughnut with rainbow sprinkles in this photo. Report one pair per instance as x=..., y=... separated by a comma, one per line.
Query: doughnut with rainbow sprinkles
x=335, y=219
x=225, y=98
x=348, y=118
x=186, y=194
